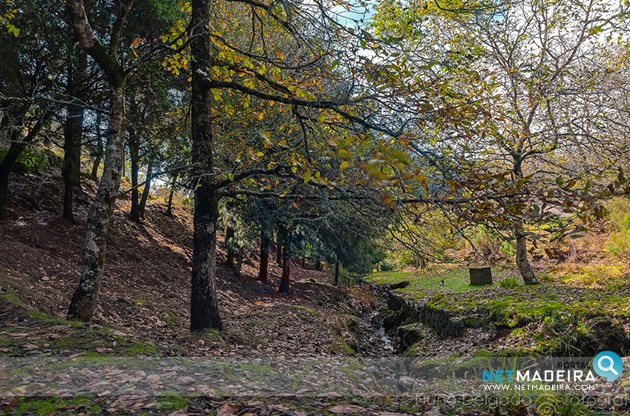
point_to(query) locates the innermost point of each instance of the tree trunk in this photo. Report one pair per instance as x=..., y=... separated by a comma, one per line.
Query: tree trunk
x=286, y=271
x=204, y=308
x=84, y=299
x=318, y=265
x=278, y=253
x=98, y=156
x=73, y=134
x=522, y=261
x=336, y=273
x=264, y=257
x=134, y=156
x=146, y=190
x=229, y=246
x=304, y=262
x=169, y=203
x=6, y=166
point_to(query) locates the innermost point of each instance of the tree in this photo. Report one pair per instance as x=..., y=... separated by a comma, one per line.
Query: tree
x=117, y=65
x=514, y=123
x=33, y=65
x=224, y=62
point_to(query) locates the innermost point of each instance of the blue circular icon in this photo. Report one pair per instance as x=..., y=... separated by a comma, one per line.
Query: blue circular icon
x=608, y=364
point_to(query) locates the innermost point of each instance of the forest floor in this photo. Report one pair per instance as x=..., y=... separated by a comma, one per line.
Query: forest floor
x=143, y=312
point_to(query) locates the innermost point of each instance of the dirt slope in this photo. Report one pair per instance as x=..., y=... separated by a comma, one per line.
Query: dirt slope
x=146, y=285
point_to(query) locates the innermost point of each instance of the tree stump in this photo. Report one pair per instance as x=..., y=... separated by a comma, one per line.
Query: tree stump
x=480, y=276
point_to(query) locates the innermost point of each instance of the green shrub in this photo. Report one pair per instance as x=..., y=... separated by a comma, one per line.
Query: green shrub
x=30, y=160
x=386, y=266
x=507, y=248
x=509, y=283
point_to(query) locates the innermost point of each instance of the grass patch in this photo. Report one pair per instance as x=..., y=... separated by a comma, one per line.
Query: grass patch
x=308, y=311
x=171, y=401
x=12, y=298
x=56, y=405
x=432, y=281
x=138, y=349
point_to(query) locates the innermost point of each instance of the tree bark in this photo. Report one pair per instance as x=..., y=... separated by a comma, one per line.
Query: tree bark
x=146, y=190
x=336, y=282
x=98, y=156
x=85, y=297
x=278, y=253
x=169, y=203
x=204, y=309
x=73, y=134
x=134, y=156
x=286, y=271
x=264, y=257
x=318, y=265
x=522, y=262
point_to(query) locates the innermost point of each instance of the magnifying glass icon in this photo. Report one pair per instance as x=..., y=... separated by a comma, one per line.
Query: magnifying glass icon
x=610, y=364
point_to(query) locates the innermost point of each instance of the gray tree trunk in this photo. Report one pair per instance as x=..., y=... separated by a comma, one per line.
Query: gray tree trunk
x=84, y=299
x=522, y=262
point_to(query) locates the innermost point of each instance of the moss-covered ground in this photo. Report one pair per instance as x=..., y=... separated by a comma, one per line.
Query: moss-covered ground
x=571, y=312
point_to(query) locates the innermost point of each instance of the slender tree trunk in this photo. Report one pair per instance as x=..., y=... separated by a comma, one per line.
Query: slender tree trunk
x=85, y=297
x=304, y=262
x=264, y=257
x=204, y=308
x=522, y=262
x=134, y=156
x=73, y=135
x=278, y=253
x=123, y=166
x=169, y=203
x=229, y=246
x=336, y=273
x=6, y=166
x=318, y=265
x=146, y=190
x=98, y=156
x=286, y=271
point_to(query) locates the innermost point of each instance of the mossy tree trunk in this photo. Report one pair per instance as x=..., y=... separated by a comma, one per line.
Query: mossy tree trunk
x=522, y=261
x=85, y=297
x=84, y=300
